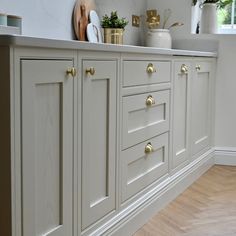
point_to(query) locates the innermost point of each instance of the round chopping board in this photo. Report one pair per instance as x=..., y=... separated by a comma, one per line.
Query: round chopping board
x=89, y=5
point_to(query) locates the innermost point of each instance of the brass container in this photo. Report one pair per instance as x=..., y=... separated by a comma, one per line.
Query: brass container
x=114, y=36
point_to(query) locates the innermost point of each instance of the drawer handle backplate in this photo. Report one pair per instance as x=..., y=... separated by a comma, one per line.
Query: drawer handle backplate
x=150, y=100
x=90, y=71
x=71, y=71
x=148, y=148
x=151, y=69
x=184, y=69
x=198, y=67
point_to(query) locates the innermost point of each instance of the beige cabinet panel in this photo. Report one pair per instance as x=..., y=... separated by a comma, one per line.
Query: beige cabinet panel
x=136, y=72
x=47, y=147
x=181, y=113
x=139, y=169
x=142, y=121
x=201, y=107
x=99, y=140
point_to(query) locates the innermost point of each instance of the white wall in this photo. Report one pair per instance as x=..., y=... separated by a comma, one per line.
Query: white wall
x=133, y=35
x=53, y=18
x=225, y=127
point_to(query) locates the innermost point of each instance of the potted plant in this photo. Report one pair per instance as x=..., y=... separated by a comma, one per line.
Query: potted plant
x=209, y=15
x=113, y=28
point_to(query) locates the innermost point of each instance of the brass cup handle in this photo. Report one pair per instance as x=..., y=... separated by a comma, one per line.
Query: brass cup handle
x=184, y=69
x=71, y=71
x=151, y=69
x=150, y=100
x=198, y=67
x=90, y=71
x=149, y=148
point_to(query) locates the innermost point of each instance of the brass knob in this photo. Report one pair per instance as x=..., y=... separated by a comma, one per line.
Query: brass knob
x=184, y=69
x=148, y=148
x=150, y=100
x=71, y=71
x=151, y=69
x=90, y=71
x=198, y=67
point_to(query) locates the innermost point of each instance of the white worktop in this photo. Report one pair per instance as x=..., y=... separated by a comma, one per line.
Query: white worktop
x=18, y=40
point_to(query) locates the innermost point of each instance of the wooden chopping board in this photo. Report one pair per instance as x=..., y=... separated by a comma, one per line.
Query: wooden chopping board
x=89, y=4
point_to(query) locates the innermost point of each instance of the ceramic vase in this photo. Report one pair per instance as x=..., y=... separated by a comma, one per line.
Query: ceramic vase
x=209, y=19
x=159, y=38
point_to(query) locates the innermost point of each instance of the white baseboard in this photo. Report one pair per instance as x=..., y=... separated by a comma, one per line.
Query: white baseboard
x=177, y=183
x=225, y=156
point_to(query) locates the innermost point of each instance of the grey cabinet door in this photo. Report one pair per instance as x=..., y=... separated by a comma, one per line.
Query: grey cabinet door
x=201, y=106
x=181, y=113
x=98, y=140
x=47, y=147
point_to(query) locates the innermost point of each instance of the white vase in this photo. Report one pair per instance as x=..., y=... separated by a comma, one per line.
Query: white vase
x=209, y=19
x=159, y=38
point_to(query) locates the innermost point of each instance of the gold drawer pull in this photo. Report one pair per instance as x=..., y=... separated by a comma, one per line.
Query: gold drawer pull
x=198, y=67
x=90, y=71
x=151, y=69
x=71, y=71
x=150, y=100
x=184, y=69
x=149, y=148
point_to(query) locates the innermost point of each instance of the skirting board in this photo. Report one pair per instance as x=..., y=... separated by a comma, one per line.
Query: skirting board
x=177, y=183
x=225, y=156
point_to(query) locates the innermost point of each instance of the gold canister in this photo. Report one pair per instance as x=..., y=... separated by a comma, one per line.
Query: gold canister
x=114, y=36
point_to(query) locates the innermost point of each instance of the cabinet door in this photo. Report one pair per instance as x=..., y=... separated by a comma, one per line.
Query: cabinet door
x=99, y=140
x=201, y=107
x=181, y=112
x=47, y=147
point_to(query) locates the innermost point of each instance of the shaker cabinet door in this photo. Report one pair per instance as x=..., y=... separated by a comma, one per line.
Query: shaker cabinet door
x=47, y=147
x=201, y=107
x=181, y=113
x=98, y=139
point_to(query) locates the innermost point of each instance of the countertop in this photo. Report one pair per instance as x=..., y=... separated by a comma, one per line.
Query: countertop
x=19, y=40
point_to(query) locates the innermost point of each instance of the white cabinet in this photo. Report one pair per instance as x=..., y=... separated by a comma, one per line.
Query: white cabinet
x=98, y=139
x=89, y=154
x=47, y=147
x=201, y=106
x=192, y=111
x=181, y=113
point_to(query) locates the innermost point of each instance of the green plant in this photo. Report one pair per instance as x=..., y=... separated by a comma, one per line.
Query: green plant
x=113, y=21
x=221, y=4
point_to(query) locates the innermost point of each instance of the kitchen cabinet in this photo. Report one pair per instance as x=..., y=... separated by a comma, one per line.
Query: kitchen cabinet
x=96, y=138
x=47, y=147
x=192, y=111
x=181, y=113
x=99, y=139
x=201, y=106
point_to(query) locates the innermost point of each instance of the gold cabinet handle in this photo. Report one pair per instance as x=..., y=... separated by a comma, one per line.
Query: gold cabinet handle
x=150, y=100
x=71, y=71
x=90, y=71
x=198, y=67
x=184, y=69
x=148, y=148
x=151, y=69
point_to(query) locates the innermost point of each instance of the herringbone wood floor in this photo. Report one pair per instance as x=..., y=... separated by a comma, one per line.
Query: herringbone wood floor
x=206, y=208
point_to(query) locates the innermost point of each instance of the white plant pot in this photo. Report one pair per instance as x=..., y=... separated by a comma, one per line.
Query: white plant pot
x=159, y=38
x=209, y=19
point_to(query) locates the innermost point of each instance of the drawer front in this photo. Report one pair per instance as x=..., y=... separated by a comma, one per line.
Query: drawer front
x=145, y=72
x=142, y=121
x=140, y=168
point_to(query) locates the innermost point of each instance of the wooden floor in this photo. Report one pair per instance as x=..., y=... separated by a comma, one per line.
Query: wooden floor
x=208, y=207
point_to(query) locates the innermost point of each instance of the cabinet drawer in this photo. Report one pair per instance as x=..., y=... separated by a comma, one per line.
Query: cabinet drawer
x=137, y=72
x=142, y=121
x=139, y=169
